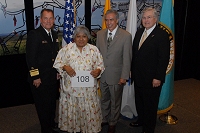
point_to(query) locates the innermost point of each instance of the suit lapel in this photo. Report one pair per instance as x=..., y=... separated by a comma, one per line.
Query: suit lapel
x=116, y=36
x=105, y=37
x=138, y=35
x=151, y=35
x=149, y=38
x=46, y=37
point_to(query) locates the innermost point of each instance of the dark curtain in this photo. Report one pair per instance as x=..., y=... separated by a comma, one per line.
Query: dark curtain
x=187, y=55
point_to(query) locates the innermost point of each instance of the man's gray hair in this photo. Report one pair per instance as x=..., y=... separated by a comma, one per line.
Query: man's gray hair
x=155, y=13
x=112, y=11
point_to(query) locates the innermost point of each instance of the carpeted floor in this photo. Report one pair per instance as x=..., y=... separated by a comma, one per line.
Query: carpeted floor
x=23, y=119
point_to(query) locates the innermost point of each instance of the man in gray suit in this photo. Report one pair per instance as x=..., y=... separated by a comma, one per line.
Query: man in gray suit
x=115, y=44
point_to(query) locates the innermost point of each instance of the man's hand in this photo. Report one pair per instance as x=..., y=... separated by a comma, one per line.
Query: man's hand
x=156, y=83
x=37, y=82
x=122, y=81
x=95, y=73
x=69, y=71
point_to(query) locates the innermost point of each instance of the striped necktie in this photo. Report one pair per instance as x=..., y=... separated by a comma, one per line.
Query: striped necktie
x=143, y=39
x=109, y=39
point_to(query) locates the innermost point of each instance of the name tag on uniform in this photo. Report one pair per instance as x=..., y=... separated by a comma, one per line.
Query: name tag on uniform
x=82, y=79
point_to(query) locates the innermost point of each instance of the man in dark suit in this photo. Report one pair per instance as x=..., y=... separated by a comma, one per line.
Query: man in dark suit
x=115, y=45
x=149, y=64
x=41, y=50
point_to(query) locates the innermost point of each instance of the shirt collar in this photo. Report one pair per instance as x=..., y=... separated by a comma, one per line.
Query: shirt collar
x=113, y=32
x=150, y=30
x=47, y=30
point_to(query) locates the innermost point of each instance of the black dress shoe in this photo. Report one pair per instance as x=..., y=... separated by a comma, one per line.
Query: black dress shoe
x=135, y=124
x=104, y=123
x=55, y=127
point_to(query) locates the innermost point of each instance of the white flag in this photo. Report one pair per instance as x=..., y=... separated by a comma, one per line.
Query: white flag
x=131, y=25
x=128, y=108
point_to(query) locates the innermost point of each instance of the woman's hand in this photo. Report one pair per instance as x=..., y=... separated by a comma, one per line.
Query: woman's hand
x=95, y=73
x=69, y=71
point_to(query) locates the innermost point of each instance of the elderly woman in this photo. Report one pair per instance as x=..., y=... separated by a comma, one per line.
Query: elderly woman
x=79, y=107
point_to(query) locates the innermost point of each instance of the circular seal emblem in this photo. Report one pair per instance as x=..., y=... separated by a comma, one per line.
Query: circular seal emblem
x=172, y=46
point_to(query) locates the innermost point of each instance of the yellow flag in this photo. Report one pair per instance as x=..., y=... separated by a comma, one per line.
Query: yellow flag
x=106, y=7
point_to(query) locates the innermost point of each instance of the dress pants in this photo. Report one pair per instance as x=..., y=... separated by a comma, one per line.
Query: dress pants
x=146, y=100
x=111, y=102
x=45, y=102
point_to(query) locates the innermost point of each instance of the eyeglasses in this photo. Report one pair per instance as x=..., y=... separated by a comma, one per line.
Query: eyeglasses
x=148, y=17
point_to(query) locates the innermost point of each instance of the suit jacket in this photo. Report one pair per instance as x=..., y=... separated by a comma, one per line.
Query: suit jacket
x=117, y=58
x=40, y=55
x=151, y=60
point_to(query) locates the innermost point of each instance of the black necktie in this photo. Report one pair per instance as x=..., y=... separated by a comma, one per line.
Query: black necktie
x=49, y=34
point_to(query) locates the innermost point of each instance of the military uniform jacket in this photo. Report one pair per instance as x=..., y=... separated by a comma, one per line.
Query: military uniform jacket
x=40, y=55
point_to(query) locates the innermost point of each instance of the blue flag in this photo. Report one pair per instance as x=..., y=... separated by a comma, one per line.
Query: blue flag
x=69, y=22
x=167, y=24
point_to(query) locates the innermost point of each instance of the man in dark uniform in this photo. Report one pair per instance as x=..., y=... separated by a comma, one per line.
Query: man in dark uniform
x=41, y=50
